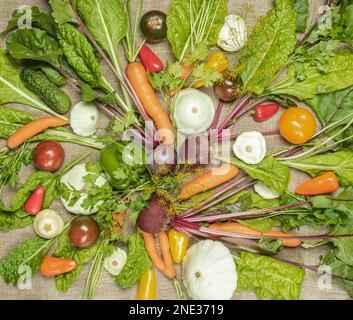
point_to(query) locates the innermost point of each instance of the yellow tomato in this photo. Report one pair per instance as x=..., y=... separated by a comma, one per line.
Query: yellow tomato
x=297, y=125
x=147, y=289
x=217, y=62
x=178, y=244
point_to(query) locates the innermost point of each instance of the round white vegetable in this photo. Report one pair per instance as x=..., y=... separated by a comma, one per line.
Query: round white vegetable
x=74, y=181
x=116, y=262
x=209, y=272
x=48, y=224
x=233, y=34
x=84, y=119
x=193, y=111
x=265, y=191
x=250, y=147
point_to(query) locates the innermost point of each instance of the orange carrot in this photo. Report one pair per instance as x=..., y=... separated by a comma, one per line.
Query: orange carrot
x=33, y=128
x=137, y=76
x=118, y=222
x=151, y=248
x=239, y=228
x=209, y=180
x=167, y=257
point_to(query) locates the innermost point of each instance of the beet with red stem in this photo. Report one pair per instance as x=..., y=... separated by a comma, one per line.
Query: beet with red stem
x=221, y=191
x=155, y=217
x=235, y=215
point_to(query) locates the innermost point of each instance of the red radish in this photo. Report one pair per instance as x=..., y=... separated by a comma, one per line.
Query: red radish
x=35, y=202
x=150, y=60
x=264, y=112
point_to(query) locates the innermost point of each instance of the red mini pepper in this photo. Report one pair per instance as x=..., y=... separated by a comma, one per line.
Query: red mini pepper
x=150, y=60
x=35, y=202
x=265, y=111
x=326, y=183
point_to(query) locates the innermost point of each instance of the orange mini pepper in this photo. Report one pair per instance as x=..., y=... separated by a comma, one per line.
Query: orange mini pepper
x=52, y=266
x=326, y=183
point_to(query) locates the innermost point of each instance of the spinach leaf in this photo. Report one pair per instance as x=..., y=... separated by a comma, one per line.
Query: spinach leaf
x=62, y=11
x=332, y=107
x=269, y=278
x=268, y=47
x=270, y=171
x=65, y=249
x=29, y=253
x=39, y=18
x=344, y=246
x=108, y=25
x=302, y=9
x=305, y=80
x=138, y=262
x=34, y=44
x=340, y=162
x=12, y=89
x=80, y=55
x=186, y=18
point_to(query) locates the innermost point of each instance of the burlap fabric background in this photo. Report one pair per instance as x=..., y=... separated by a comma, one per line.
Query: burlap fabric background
x=44, y=288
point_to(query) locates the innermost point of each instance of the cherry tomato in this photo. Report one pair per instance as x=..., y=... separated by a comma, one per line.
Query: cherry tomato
x=297, y=125
x=84, y=232
x=225, y=90
x=49, y=156
x=154, y=25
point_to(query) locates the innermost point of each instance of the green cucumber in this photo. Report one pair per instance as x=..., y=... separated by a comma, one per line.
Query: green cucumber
x=53, y=96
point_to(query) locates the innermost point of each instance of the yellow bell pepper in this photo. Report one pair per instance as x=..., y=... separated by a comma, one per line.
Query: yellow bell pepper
x=147, y=289
x=217, y=62
x=178, y=244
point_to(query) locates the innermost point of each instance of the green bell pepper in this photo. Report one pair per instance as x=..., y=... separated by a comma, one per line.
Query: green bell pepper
x=124, y=165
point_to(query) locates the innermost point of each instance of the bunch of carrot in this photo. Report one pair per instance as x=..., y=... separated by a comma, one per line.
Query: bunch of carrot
x=165, y=263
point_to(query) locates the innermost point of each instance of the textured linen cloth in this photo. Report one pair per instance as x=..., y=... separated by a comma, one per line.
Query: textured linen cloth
x=44, y=288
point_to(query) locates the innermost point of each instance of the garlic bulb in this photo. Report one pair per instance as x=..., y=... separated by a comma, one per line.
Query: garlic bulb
x=250, y=147
x=209, y=271
x=193, y=111
x=84, y=119
x=233, y=34
x=264, y=191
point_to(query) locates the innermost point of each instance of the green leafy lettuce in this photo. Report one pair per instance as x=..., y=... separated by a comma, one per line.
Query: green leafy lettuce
x=269, y=278
x=268, y=47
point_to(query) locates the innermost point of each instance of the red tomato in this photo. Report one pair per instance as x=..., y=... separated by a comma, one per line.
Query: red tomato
x=297, y=125
x=49, y=156
x=84, y=232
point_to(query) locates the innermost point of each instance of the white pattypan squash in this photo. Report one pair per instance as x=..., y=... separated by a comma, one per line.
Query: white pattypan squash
x=209, y=271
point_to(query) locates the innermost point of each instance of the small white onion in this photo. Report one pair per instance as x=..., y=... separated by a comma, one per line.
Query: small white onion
x=264, y=191
x=84, y=119
x=193, y=111
x=233, y=34
x=250, y=147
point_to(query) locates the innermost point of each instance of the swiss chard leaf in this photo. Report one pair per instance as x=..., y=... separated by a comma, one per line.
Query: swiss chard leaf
x=138, y=262
x=305, y=80
x=268, y=47
x=80, y=55
x=344, y=245
x=12, y=221
x=12, y=89
x=269, y=278
x=62, y=11
x=270, y=171
x=34, y=44
x=184, y=16
x=340, y=162
x=29, y=253
x=108, y=25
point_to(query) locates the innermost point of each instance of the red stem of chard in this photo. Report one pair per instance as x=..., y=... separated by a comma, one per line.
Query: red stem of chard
x=235, y=215
x=217, y=114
